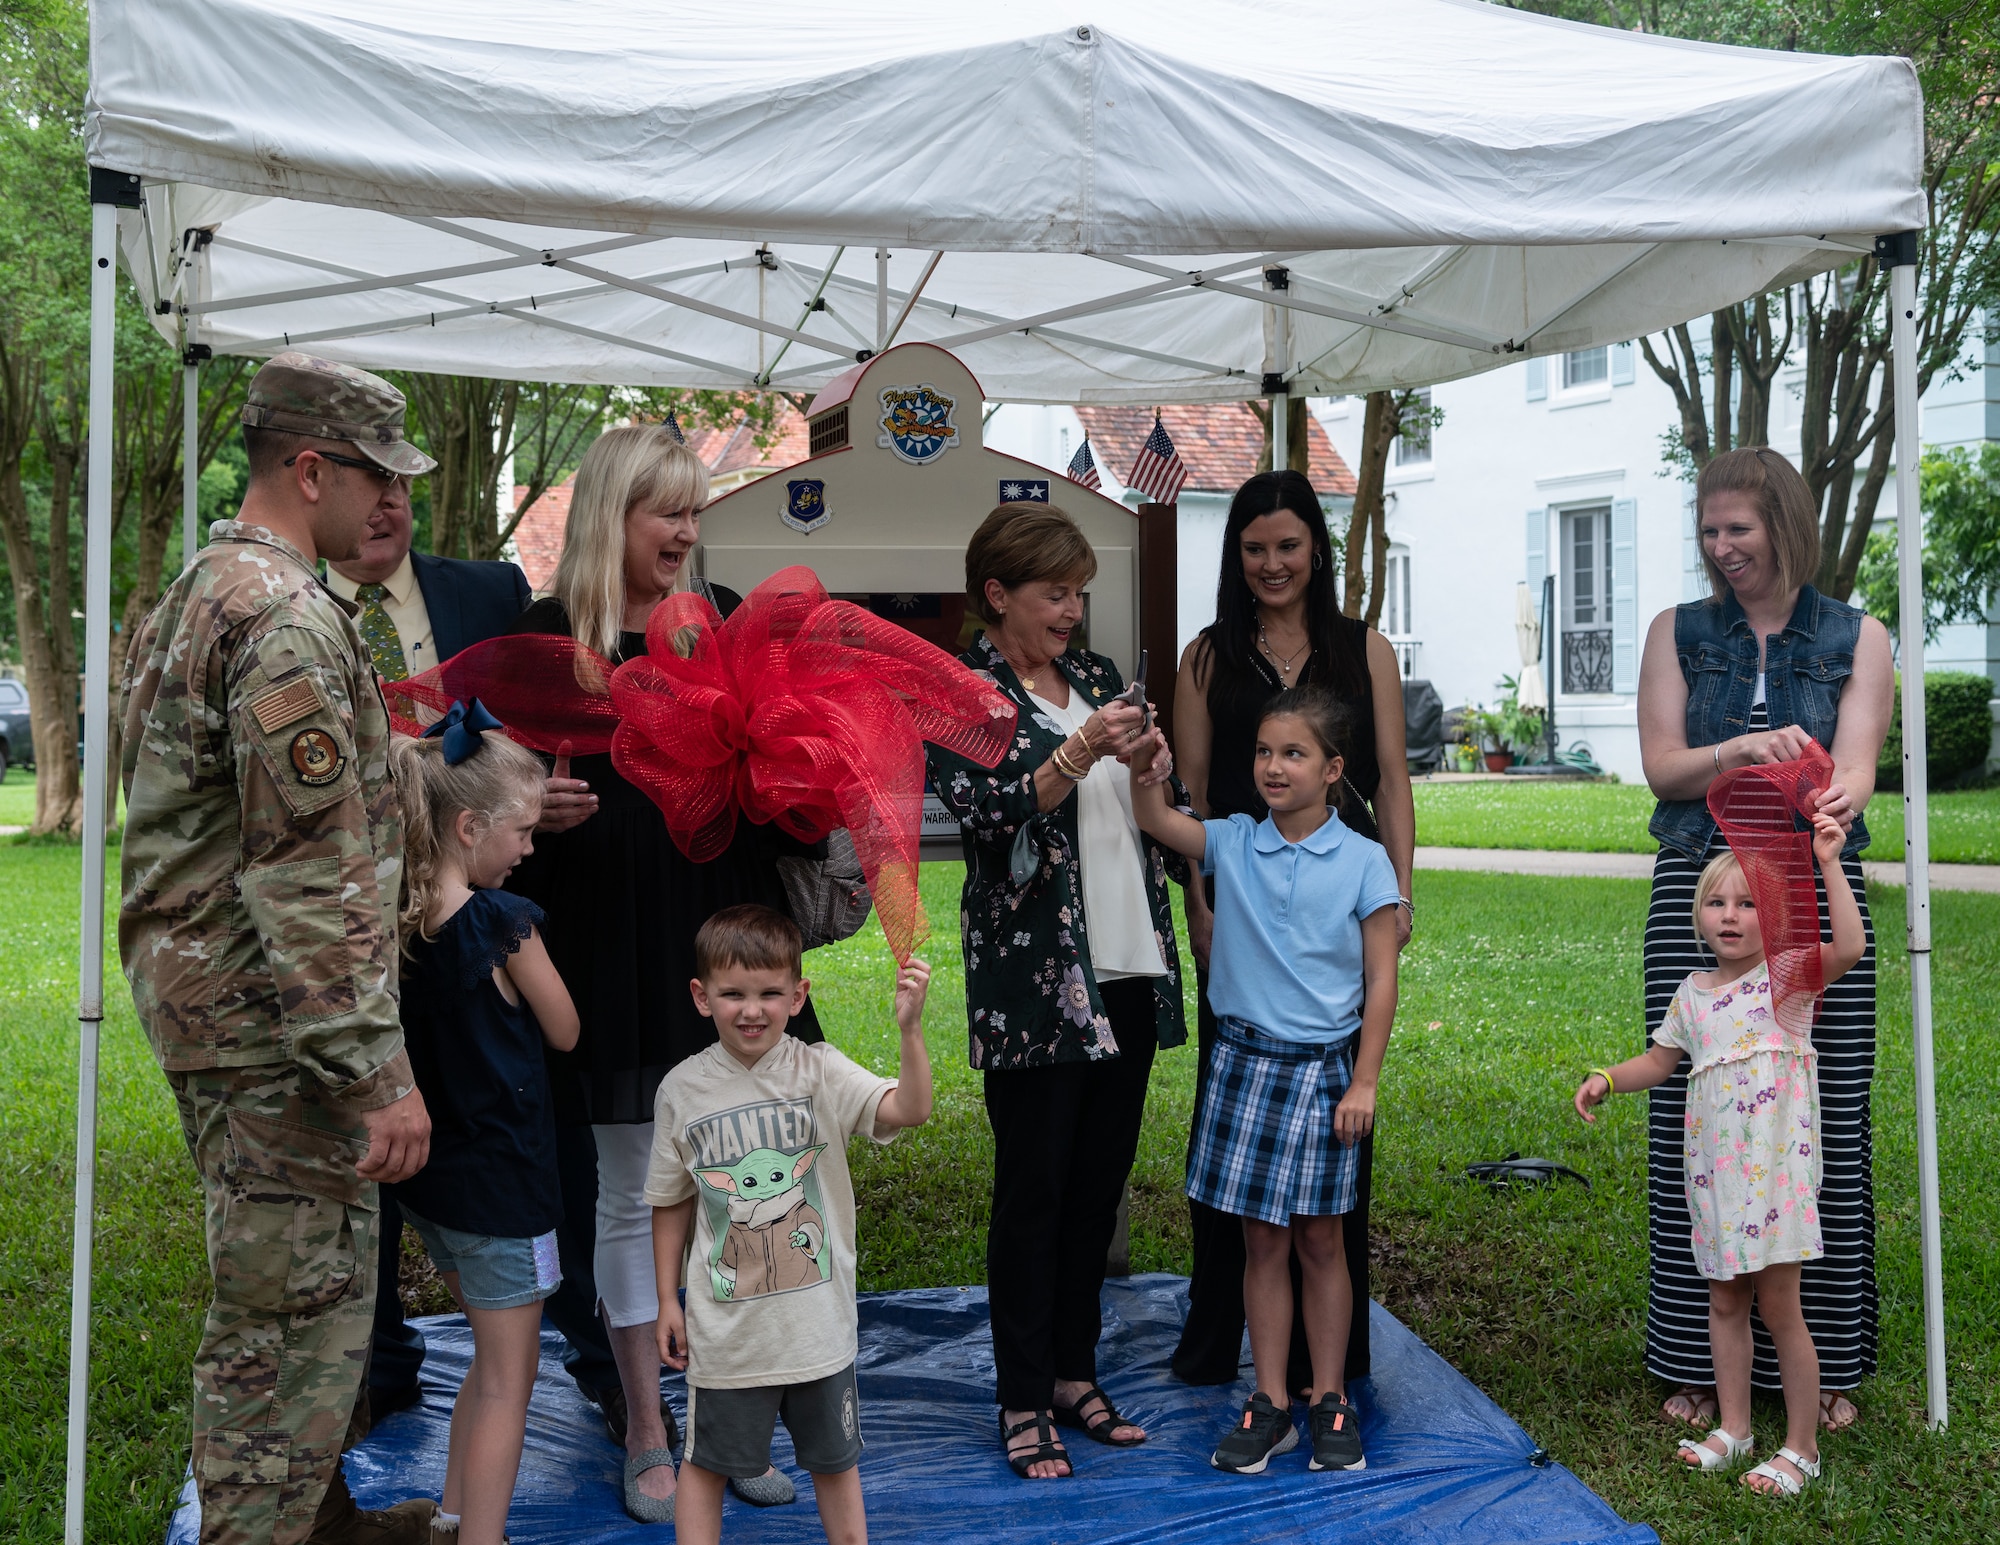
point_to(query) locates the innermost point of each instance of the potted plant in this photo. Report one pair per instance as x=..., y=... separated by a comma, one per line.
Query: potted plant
x=1513, y=730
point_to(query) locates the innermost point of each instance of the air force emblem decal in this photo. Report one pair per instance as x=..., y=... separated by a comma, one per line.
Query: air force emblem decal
x=916, y=424
x=805, y=504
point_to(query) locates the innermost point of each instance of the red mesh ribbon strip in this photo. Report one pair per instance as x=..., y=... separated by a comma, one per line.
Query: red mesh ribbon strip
x=1756, y=809
x=800, y=710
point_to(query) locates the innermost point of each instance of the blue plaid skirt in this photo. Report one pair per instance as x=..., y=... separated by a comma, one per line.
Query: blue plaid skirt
x=1264, y=1145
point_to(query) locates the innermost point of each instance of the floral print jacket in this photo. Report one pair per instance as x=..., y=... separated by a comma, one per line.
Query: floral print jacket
x=1031, y=999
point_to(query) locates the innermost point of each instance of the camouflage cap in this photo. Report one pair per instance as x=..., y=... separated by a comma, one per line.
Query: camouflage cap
x=302, y=394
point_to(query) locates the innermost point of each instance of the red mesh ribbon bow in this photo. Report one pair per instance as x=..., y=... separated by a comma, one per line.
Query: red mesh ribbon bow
x=1755, y=809
x=800, y=710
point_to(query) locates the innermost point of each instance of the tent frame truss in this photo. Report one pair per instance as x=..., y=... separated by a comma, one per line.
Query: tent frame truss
x=111, y=191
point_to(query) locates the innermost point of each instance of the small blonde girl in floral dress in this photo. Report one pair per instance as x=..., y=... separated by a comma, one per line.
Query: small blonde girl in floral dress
x=1752, y=1151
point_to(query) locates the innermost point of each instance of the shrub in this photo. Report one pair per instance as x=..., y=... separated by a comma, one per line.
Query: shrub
x=1958, y=727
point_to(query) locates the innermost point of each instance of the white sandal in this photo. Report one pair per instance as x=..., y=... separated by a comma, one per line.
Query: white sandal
x=1734, y=1448
x=1783, y=1485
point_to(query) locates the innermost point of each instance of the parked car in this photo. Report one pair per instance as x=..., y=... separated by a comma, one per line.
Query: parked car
x=17, y=739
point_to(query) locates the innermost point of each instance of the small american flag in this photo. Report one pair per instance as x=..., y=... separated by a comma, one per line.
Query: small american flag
x=673, y=427
x=1157, y=471
x=1083, y=466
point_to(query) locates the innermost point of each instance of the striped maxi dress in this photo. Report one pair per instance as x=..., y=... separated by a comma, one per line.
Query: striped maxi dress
x=1837, y=1292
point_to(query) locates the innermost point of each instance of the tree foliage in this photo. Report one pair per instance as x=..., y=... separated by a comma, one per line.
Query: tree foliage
x=1835, y=325
x=1961, y=502
x=531, y=435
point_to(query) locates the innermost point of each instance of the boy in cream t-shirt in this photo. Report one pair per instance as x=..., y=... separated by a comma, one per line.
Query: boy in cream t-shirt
x=753, y=1205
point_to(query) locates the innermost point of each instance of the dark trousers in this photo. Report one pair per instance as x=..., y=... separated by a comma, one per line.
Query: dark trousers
x=1063, y=1141
x=397, y=1347
x=1211, y=1345
x=572, y=1308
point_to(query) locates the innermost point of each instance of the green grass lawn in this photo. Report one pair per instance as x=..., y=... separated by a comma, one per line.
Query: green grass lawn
x=1513, y=986
x=1612, y=817
x=17, y=797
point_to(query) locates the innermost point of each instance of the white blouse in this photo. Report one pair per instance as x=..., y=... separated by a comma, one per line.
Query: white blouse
x=1118, y=917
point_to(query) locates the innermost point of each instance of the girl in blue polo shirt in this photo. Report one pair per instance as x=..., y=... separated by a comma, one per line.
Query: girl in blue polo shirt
x=1303, y=979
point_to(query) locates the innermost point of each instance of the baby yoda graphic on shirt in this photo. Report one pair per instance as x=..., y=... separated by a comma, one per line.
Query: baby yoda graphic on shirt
x=776, y=1236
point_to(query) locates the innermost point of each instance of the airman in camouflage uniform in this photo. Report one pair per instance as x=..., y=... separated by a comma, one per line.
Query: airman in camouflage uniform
x=261, y=863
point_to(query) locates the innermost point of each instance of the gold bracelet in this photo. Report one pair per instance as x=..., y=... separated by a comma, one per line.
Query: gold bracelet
x=1604, y=1073
x=1062, y=765
x=1088, y=750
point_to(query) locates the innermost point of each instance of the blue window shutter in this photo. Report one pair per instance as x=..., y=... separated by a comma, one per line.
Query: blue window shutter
x=1621, y=364
x=1625, y=595
x=1538, y=552
x=1538, y=379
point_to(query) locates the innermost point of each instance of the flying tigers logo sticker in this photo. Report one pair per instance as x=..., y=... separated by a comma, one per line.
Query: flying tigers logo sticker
x=917, y=424
x=317, y=758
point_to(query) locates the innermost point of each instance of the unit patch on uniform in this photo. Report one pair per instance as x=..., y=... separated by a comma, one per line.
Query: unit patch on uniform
x=916, y=423
x=317, y=758
x=282, y=705
x=805, y=504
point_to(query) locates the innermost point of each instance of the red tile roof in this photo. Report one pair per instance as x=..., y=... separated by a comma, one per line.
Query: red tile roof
x=539, y=537
x=731, y=449
x=1219, y=443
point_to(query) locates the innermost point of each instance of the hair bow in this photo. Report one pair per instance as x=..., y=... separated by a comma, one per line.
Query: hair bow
x=461, y=728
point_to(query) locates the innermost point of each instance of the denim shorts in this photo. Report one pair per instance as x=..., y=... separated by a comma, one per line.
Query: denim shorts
x=493, y=1273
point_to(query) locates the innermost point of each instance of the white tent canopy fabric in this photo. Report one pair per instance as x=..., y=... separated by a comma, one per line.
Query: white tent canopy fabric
x=1085, y=205
x=657, y=193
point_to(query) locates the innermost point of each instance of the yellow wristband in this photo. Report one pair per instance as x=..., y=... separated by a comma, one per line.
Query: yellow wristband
x=1609, y=1086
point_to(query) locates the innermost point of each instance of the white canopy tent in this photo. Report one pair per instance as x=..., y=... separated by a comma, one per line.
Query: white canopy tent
x=1153, y=200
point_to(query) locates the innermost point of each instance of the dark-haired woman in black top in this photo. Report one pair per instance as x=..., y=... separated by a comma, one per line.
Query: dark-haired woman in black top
x=1278, y=624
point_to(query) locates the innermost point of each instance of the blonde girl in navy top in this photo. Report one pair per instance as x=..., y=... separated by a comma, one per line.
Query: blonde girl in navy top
x=480, y=999
x=1303, y=979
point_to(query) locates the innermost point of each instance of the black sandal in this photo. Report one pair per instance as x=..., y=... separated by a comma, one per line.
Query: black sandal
x=1046, y=1448
x=1108, y=1420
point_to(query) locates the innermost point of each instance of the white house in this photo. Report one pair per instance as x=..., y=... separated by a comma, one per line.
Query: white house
x=1555, y=466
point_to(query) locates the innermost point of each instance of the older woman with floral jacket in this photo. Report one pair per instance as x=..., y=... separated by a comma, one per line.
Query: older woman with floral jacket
x=1072, y=975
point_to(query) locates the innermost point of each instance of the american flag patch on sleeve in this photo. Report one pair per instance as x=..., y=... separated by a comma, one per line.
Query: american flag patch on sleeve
x=281, y=705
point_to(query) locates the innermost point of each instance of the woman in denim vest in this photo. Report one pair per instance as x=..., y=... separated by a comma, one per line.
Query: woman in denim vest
x=1742, y=678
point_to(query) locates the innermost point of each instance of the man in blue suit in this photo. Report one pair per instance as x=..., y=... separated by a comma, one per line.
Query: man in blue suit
x=418, y=610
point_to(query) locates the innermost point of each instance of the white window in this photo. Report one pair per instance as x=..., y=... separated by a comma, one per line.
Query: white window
x=1062, y=455
x=1586, y=599
x=1586, y=367
x=1396, y=595
x=1413, y=445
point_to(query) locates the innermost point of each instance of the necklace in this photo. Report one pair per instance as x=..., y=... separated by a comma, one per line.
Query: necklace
x=1027, y=681
x=1283, y=662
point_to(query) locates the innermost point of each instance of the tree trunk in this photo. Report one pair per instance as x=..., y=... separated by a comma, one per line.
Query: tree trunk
x=1381, y=422
x=48, y=652
x=1378, y=566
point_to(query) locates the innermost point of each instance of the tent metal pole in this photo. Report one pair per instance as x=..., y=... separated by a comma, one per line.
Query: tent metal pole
x=1902, y=256
x=1277, y=361
x=909, y=305
x=190, y=457
x=90, y=952
x=881, y=299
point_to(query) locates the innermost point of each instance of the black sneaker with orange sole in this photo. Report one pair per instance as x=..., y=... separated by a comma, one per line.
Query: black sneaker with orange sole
x=1250, y=1445
x=1336, y=1435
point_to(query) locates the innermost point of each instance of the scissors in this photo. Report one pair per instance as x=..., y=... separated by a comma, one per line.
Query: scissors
x=1135, y=694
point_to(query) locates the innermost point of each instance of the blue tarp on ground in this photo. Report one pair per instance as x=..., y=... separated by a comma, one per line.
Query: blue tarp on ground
x=1445, y=1464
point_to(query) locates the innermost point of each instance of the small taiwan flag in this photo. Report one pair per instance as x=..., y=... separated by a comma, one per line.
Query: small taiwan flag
x=1083, y=466
x=1025, y=490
